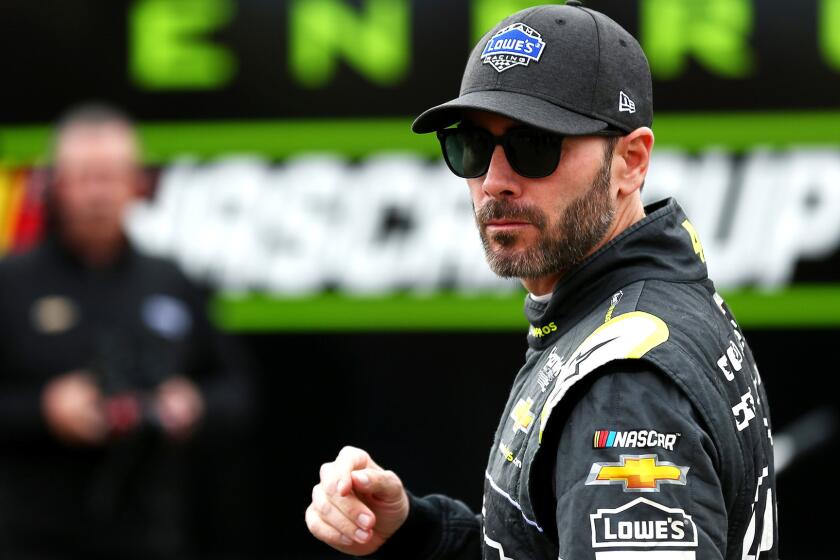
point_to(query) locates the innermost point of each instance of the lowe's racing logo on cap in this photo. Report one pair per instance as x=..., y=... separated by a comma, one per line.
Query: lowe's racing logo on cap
x=515, y=45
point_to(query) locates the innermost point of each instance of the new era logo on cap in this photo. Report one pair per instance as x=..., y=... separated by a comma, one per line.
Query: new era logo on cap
x=625, y=104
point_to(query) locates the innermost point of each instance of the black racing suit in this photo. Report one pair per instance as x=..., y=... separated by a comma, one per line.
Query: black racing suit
x=637, y=429
x=132, y=325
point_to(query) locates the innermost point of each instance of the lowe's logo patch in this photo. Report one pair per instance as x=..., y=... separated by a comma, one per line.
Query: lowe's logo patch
x=644, y=523
x=515, y=45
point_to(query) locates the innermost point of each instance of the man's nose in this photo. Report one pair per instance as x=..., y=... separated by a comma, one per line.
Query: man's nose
x=501, y=181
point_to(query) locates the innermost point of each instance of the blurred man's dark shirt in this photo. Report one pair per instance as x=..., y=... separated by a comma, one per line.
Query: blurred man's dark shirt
x=132, y=325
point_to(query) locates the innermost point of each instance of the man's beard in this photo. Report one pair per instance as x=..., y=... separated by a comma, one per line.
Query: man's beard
x=559, y=247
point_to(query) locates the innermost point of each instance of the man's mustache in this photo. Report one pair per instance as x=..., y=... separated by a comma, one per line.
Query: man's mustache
x=505, y=210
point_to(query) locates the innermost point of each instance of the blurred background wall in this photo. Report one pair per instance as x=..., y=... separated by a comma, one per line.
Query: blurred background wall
x=343, y=252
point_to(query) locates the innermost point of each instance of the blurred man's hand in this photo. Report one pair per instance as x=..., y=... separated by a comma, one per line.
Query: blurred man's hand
x=72, y=407
x=179, y=406
x=357, y=505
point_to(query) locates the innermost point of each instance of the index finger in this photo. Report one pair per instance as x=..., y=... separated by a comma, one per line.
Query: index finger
x=349, y=459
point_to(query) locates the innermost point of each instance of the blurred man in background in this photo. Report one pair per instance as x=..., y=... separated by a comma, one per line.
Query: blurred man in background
x=108, y=366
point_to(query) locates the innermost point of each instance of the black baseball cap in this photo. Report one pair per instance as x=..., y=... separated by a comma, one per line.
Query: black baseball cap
x=566, y=69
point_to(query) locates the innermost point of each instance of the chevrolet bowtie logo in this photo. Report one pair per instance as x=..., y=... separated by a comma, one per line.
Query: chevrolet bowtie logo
x=522, y=415
x=637, y=473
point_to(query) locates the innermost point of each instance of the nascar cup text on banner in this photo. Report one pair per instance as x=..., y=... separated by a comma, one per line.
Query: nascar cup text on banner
x=515, y=45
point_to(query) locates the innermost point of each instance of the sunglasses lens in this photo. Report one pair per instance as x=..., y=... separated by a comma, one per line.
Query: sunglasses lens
x=533, y=153
x=467, y=151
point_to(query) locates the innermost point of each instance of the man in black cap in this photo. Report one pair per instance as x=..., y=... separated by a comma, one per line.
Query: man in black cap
x=638, y=426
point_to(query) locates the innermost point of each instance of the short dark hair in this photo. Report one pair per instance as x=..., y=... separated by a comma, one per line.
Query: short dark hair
x=609, y=148
x=93, y=113
x=610, y=144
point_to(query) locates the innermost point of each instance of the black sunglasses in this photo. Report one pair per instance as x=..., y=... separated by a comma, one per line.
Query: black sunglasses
x=531, y=152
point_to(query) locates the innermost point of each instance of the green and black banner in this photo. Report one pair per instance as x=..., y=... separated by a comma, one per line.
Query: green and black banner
x=300, y=109
x=199, y=60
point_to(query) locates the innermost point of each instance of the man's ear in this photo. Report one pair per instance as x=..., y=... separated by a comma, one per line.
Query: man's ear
x=634, y=151
x=142, y=183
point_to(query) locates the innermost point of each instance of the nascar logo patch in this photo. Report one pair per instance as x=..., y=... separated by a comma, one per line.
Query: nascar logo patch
x=634, y=438
x=515, y=45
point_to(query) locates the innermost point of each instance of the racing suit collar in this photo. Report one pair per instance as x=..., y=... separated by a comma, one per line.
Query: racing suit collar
x=658, y=247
